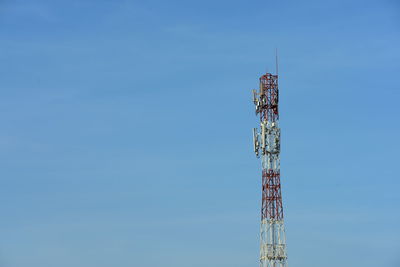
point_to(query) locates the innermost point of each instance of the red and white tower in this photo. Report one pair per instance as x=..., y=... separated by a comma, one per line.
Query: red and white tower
x=267, y=145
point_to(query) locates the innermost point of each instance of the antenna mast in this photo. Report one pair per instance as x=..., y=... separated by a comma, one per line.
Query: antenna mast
x=276, y=61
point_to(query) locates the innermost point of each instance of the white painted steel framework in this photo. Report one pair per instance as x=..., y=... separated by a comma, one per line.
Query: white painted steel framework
x=267, y=143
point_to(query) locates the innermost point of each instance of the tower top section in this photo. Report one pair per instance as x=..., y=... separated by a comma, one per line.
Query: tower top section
x=266, y=99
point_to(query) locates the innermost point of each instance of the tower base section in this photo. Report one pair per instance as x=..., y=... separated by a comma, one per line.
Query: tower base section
x=273, y=244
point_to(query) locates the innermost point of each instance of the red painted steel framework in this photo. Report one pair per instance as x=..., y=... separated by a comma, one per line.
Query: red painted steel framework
x=271, y=185
x=271, y=196
x=267, y=143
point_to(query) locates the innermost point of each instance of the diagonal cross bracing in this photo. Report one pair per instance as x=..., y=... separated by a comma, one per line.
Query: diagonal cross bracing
x=267, y=143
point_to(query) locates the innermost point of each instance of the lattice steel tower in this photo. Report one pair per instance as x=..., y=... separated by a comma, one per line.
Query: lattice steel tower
x=267, y=143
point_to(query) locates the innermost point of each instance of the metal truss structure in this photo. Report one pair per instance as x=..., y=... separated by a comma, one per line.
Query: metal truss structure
x=267, y=145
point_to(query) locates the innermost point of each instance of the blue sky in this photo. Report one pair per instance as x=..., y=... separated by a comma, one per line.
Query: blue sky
x=125, y=135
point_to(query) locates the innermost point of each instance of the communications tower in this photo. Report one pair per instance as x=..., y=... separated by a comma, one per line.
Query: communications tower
x=267, y=145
